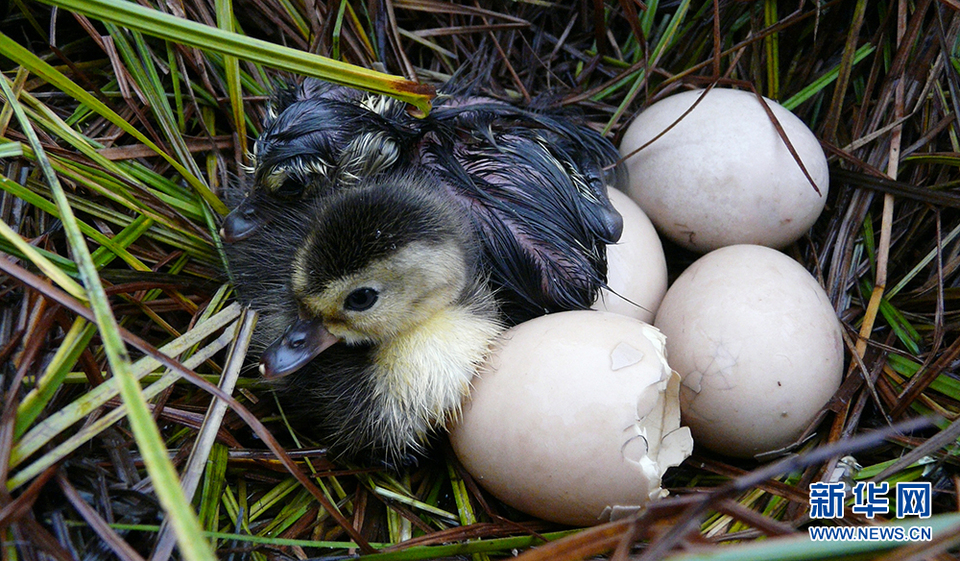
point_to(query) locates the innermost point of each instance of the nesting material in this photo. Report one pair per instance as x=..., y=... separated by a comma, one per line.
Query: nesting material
x=722, y=175
x=574, y=418
x=757, y=344
x=636, y=266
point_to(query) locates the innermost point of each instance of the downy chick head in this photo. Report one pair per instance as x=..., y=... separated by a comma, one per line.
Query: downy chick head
x=317, y=138
x=380, y=260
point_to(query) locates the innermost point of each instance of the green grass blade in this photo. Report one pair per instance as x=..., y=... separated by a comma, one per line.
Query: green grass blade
x=193, y=546
x=293, y=509
x=61, y=262
x=418, y=505
x=902, y=328
x=165, y=26
x=906, y=332
x=52, y=271
x=19, y=55
x=464, y=506
x=54, y=425
x=175, y=77
x=337, y=26
x=944, y=383
x=231, y=67
x=503, y=545
x=107, y=247
x=771, y=45
x=11, y=149
x=106, y=253
x=828, y=78
x=943, y=159
x=214, y=481
x=74, y=342
x=280, y=542
x=302, y=27
x=139, y=63
x=665, y=40
x=923, y=263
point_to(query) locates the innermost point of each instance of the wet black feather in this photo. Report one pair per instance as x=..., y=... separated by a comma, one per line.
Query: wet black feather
x=536, y=188
x=319, y=134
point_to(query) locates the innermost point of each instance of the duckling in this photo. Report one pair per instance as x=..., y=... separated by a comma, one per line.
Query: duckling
x=259, y=269
x=503, y=210
x=316, y=137
x=535, y=183
x=393, y=315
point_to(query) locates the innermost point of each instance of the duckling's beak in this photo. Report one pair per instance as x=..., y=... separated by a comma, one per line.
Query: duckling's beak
x=299, y=345
x=241, y=223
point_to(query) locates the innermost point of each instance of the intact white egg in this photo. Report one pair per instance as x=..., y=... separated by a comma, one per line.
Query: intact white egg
x=757, y=345
x=722, y=175
x=574, y=418
x=636, y=266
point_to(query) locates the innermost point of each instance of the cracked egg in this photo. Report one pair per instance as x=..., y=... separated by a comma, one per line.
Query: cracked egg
x=574, y=418
x=757, y=345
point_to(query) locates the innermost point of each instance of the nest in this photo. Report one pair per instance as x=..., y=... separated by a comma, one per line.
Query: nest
x=137, y=131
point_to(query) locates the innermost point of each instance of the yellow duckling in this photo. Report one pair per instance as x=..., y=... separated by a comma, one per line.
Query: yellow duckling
x=394, y=317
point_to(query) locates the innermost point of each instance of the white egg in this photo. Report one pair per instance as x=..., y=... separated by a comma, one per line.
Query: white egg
x=757, y=345
x=574, y=418
x=722, y=175
x=636, y=266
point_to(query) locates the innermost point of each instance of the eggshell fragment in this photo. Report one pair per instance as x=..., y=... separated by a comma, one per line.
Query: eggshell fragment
x=574, y=418
x=757, y=344
x=722, y=175
x=636, y=266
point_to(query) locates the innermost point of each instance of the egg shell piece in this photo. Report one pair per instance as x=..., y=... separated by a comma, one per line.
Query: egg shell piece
x=722, y=175
x=574, y=418
x=757, y=345
x=636, y=265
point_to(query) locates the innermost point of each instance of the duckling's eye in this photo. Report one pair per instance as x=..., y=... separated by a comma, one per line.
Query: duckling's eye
x=291, y=188
x=361, y=299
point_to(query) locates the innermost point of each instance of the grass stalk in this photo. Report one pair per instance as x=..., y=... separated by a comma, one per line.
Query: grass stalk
x=192, y=545
x=165, y=26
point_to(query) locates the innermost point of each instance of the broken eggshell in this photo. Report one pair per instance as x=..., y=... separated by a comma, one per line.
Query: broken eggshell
x=574, y=418
x=758, y=346
x=636, y=266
